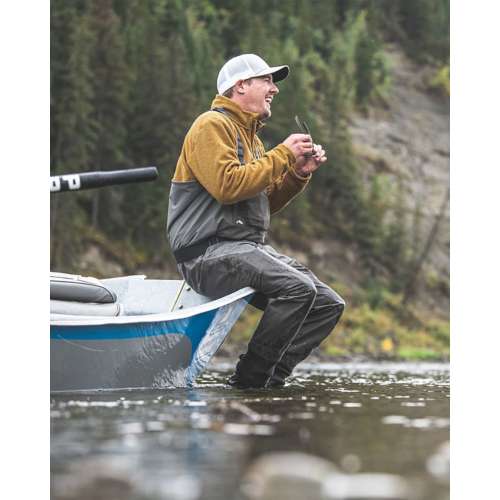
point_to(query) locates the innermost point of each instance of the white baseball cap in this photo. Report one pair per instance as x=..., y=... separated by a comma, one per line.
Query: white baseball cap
x=247, y=66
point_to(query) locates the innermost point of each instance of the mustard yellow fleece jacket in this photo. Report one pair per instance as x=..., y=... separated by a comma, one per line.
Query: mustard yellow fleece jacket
x=209, y=156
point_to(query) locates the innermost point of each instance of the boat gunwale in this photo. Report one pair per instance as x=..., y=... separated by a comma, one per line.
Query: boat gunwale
x=156, y=317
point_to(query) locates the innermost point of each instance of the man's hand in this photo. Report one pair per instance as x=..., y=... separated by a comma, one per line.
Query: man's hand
x=299, y=145
x=305, y=165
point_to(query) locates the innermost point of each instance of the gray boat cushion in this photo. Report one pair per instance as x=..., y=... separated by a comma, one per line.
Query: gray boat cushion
x=71, y=287
x=85, y=309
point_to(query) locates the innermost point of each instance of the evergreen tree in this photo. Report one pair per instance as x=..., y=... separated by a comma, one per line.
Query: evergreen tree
x=394, y=252
x=110, y=105
x=73, y=129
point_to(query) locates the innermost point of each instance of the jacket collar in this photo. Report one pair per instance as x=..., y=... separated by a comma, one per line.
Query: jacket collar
x=246, y=119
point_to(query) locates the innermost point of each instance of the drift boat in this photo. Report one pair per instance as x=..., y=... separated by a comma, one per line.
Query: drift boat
x=142, y=334
x=131, y=332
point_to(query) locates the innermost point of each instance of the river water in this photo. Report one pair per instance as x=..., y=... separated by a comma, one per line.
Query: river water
x=316, y=438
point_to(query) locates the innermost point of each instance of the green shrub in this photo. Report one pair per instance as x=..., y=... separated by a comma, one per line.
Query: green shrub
x=377, y=328
x=416, y=354
x=440, y=82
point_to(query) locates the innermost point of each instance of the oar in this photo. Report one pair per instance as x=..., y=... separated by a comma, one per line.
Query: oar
x=90, y=180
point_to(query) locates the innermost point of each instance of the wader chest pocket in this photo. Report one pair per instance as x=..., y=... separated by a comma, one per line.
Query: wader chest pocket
x=254, y=212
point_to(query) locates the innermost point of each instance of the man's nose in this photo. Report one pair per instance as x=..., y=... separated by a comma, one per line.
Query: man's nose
x=274, y=88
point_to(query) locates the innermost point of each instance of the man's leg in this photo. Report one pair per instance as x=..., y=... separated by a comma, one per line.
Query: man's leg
x=325, y=313
x=291, y=293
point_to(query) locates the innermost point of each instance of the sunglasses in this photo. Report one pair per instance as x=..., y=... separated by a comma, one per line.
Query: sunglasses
x=305, y=130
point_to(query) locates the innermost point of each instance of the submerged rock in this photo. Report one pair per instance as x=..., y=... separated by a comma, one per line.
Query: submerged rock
x=299, y=476
x=120, y=477
x=286, y=476
x=365, y=487
x=438, y=464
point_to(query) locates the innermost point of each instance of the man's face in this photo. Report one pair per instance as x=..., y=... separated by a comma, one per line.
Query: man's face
x=259, y=93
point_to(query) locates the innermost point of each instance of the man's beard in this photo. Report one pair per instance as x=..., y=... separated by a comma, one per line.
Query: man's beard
x=265, y=116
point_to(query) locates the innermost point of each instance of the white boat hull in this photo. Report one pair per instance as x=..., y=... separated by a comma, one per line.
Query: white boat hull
x=140, y=351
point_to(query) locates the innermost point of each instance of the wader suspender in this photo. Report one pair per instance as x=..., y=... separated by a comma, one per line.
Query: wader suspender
x=239, y=146
x=193, y=251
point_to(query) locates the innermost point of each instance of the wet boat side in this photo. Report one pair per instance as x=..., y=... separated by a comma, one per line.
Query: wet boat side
x=158, y=350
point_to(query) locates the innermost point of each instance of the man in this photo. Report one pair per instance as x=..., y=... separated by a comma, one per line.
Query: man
x=224, y=188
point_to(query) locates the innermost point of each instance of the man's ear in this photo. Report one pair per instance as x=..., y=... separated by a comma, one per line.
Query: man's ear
x=239, y=87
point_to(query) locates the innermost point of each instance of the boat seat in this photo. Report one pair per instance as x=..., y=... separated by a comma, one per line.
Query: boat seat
x=73, y=308
x=74, y=288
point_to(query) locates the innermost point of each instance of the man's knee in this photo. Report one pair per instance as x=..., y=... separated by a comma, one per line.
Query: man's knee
x=295, y=285
x=328, y=297
x=305, y=286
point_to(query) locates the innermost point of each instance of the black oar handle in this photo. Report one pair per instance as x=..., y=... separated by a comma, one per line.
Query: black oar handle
x=90, y=180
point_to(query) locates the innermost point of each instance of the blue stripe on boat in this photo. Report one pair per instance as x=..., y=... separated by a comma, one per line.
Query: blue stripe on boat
x=194, y=327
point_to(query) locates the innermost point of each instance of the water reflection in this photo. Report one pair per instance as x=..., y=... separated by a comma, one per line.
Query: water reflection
x=200, y=443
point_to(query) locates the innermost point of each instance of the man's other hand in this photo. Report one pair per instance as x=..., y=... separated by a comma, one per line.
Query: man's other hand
x=299, y=145
x=306, y=165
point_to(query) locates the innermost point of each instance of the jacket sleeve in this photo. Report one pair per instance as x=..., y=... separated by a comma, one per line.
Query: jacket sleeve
x=214, y=163
x=286, y=187
x=282, y=191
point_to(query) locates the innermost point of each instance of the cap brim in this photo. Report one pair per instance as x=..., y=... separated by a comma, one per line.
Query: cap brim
x=279, y=73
